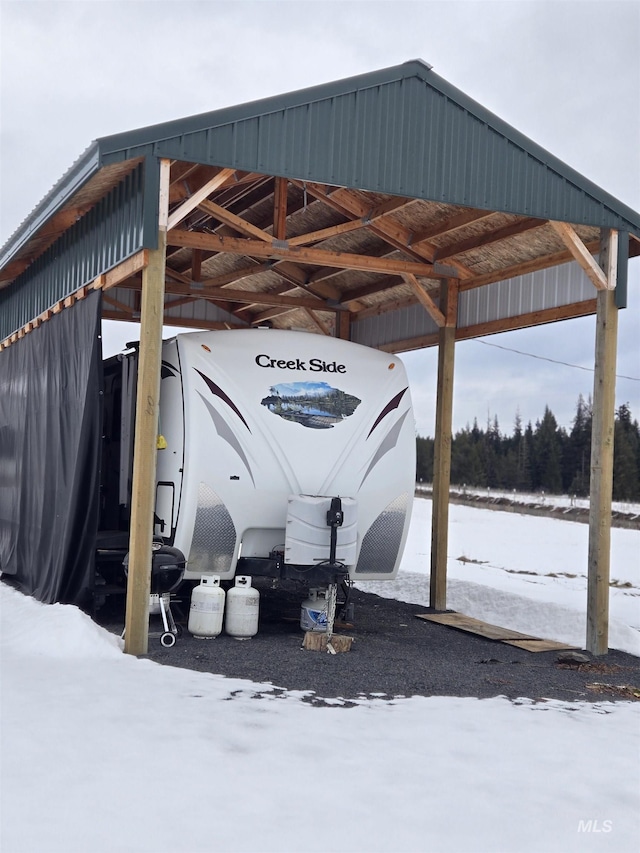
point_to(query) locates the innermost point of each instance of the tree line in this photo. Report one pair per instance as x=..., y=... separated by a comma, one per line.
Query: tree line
x=541, y=457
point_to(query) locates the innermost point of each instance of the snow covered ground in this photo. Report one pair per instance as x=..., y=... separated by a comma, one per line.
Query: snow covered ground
x=102, y=753
x=521, y=572
x=538, y=498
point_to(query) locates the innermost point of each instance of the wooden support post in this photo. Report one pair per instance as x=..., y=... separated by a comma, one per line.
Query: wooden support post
x=146, y=433
x=343, y=325
x=442, y=447
x=602, y=432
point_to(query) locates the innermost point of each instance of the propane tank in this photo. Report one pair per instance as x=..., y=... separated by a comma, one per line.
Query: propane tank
x=313, y=612
x=243, y=605
x=207, y=608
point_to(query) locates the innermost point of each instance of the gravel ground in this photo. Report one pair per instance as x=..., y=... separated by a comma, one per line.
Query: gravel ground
x=393, y=654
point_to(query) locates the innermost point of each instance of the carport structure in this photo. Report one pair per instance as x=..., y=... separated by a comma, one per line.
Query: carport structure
x=388, y=208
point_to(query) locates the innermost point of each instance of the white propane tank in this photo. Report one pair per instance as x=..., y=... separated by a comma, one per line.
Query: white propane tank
x=207, y=608
x=313, y=613
x=243, y=605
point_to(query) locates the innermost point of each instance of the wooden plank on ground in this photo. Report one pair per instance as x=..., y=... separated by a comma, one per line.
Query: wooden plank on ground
x=474, y=626
x=493, y=632
x=539, y=645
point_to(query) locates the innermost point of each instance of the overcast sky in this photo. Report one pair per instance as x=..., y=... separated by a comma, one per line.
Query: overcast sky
x=566, y=74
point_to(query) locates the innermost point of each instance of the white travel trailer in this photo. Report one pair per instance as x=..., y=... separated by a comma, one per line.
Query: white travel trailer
x=281, y=454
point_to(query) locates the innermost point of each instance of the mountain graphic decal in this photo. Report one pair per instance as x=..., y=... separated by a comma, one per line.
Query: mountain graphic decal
x=316, y=405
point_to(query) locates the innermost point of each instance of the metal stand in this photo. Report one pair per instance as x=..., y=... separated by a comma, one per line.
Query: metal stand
x=160, y=604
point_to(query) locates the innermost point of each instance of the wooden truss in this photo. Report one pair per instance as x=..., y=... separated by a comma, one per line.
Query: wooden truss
x=266, y=249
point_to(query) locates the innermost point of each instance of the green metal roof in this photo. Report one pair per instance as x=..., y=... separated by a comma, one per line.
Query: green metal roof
x=401, y=130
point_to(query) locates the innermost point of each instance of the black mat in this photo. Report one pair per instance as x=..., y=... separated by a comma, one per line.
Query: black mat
x=393, y=654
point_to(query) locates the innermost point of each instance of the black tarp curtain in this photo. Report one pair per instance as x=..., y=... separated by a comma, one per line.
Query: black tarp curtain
x=50, y=428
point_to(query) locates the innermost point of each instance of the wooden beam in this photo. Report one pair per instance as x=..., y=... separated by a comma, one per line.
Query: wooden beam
x=409, y=344
x=442, y=451
x=196, y=265
x=191, y=203
x=121, y=306
x=318, y=323
x=214, y=325
x=383, y=307
x=297, y=254
x=146, y=433
x=458, y=220
x=249, y=297
x=523, y=321
x=487, y=238
x=380, y=224
x=378, y=286
x=236, y=222
x=542, y=263
x=237, y=275
x=269, y=314
x=378, y=220
x=602, y=439
x=581, y=254
x=343, y=330
x=280, y=208
x=326, y=233
x=122, y=271
x=425, y=300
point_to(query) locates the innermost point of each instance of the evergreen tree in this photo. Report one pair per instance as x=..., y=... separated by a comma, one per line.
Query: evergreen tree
x=544, y=458
x=626, y=472
x=466, y=463
x=424, y=459
x=578, y=456
x=548, y=454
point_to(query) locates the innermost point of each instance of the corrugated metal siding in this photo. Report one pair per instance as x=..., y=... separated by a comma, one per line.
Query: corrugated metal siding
x=183, y=314
x=412, y=135
x=392, y=326
x=550, y=288
x=202, y=312
x=107, y=235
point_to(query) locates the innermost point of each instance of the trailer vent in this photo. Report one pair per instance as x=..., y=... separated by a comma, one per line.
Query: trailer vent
x=381, y=543
x=214, y=535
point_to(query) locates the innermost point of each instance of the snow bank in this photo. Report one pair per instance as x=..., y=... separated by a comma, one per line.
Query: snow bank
x=51, y=630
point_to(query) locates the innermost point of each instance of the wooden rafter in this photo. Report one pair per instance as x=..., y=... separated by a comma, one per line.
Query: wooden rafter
x=236, y=222
x=582, y=255
x=513, y=229
x=377, y=220
x=115, y=303
x=320, y=325
x=452, y=223
x=327, y=233
x=379, y=286
x=269, y=314
x=236, y=275
x=425, y=300
x=381, y=224
x=191, y=203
